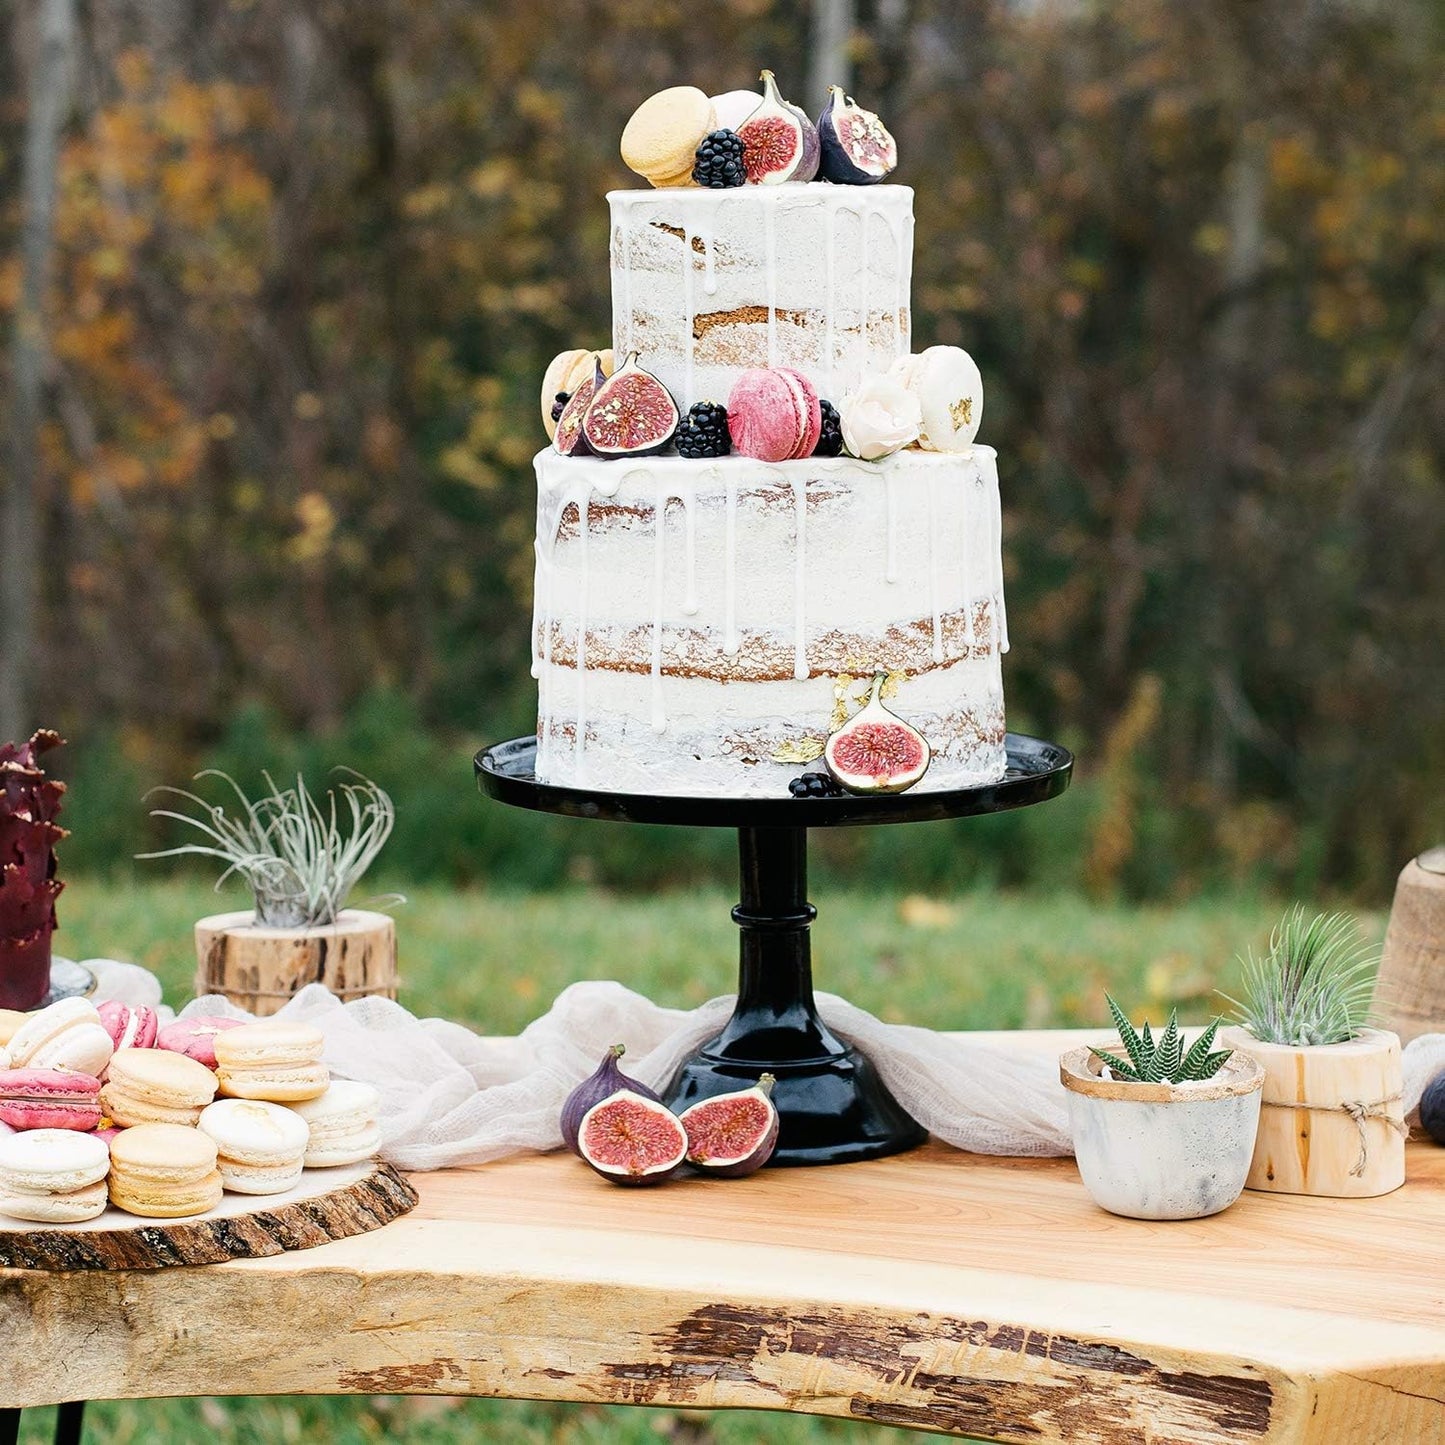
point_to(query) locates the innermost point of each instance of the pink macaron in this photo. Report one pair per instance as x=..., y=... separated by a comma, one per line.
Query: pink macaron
x=196, y=1037
x=49, y=1099
x=130, y=1026
x=774, y=414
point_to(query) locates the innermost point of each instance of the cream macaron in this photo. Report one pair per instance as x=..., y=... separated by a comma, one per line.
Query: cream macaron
x=10, y=1020
x=164, y=1171
x=54, y=1176
x=259, y=1146
x=343, y=1124
x=66, y=1035
x=152, y=1086
x=273, y=1060
x=660, y=140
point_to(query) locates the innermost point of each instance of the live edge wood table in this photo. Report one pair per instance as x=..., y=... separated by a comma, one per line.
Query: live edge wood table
x=935, y=1289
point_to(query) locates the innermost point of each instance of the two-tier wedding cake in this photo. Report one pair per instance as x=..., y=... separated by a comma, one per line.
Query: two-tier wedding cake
x=705, y=619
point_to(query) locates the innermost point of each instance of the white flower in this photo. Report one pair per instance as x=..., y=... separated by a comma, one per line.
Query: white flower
x=950, y=395
x=879, y=418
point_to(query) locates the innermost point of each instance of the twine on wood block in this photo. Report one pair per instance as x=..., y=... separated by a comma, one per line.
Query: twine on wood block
x=1359, y=1111
x=214, y=985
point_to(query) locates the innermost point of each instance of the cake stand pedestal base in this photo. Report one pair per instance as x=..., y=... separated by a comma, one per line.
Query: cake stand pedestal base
x=833, y=1108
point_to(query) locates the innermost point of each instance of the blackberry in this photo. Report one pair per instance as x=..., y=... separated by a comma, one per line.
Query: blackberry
x=719, y=163
x=704, y=431
x=830, y=439
x=815, y=785
x=558, y=403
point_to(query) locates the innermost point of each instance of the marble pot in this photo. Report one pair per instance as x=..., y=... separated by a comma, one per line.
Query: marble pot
x=1163, y=1151
x=1332, y=1122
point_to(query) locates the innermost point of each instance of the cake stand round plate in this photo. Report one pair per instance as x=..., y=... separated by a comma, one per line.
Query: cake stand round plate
x=833, y=1106
x=327, y=1204
x=1037, y=771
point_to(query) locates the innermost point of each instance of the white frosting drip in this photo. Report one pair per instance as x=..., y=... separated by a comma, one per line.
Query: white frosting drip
x=810, y=275
x=788, y=554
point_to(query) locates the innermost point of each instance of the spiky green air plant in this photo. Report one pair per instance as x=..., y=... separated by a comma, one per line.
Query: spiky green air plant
x=301, y=860
x=1314, y=984
x=1163, y=1061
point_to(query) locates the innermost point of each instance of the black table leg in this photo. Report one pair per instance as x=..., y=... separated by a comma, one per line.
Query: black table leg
x=9, y=1426
x=69, y=1422
x=832, y=1106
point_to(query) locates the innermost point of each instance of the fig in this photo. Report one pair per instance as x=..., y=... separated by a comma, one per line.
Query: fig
x=603, y=1084
x=1432, y=1109
x=567, y=435
x=632, y=1139
x=631, y=414
x=875, y=751
x=567, y=371
x=779, y=141
x=732, y=1135
x=856, y=147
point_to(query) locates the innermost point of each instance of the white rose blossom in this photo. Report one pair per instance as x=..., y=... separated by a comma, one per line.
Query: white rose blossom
x=879, y=418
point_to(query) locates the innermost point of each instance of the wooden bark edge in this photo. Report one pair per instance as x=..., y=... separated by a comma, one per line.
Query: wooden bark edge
x=357, y=1208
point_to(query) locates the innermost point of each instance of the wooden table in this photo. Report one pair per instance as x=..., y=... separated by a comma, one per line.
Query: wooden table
x=937, y=1290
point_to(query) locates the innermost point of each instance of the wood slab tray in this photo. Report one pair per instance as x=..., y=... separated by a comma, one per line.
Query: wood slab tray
x=328, y=1204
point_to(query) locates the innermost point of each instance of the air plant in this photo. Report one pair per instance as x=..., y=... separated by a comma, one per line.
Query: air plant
x=1165, y=1060
x=300, y=857
x=1314, y=984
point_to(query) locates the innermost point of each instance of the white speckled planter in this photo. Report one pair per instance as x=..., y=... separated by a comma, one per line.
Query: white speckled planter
x=1163, y=1151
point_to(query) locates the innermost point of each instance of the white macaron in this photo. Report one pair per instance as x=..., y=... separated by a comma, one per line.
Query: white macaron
x=67, y=1035
x=343, y=1123
x=55, y=1176
x=259, y=1146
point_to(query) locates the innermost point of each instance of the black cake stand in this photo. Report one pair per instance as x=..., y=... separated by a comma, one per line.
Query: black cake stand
x=832, y=1106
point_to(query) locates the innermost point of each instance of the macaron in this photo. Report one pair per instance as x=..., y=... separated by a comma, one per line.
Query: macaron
x=660, y=140
x=164, y=1171
x=774, y=414
x=66, y=1035
x=130, y=1026
x=10, y=1020
x=343, y=1124
x=272, y=1059
x=55, y=1176
x=195, y=1037
x=151, y=1086
x=49, y=1099
x=949, y=388
x=260, y=1147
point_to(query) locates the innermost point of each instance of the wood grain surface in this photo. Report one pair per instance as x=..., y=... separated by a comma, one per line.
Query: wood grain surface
x=938, y=1290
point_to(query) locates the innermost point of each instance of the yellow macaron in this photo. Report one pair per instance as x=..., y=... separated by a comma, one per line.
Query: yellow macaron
x=10, y=1020
x=272, y=1060
x=154, y=1086
x=660, y=141
x=164, y=1171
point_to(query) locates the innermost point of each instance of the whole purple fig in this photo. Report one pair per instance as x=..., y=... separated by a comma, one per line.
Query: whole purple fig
x=608, y=1080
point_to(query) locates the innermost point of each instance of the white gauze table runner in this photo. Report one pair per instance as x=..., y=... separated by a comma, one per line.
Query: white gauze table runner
x=450, y=1096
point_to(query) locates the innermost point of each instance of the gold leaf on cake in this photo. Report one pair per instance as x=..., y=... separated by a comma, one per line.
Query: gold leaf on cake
x=801, y=750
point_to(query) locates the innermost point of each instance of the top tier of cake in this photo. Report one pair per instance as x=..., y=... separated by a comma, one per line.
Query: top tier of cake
x=706, y=283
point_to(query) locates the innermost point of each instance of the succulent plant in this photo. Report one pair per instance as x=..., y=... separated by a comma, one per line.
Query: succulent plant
x=1162, y=1061
x=29, y=806
x=1314, y=984
x=300, y=858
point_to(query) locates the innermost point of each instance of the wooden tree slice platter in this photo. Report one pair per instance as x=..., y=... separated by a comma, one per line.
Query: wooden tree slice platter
x=328, y=1204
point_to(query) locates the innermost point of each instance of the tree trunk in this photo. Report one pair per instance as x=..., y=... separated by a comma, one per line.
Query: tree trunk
x=20, y=507
x=830, y=57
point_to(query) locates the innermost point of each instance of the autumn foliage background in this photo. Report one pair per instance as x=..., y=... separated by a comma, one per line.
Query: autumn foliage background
x=310, y=261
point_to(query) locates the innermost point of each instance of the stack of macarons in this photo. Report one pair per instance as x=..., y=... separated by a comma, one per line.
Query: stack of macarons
x=660, y=141
x=75, y=1079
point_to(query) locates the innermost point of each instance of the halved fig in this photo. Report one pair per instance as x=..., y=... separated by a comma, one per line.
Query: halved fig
x=631, y=1139
x=780, y=143
x=875, y=751
x=568, y=438
x=631, y=414
x=566, y=372
x=606, y=1081
x=856, y=147
x=733, y=1135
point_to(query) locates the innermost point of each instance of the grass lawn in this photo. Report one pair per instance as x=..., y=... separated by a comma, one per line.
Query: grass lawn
x=495, y=960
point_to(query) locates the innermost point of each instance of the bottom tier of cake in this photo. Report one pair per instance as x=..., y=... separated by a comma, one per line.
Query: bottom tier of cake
x=696, y=622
